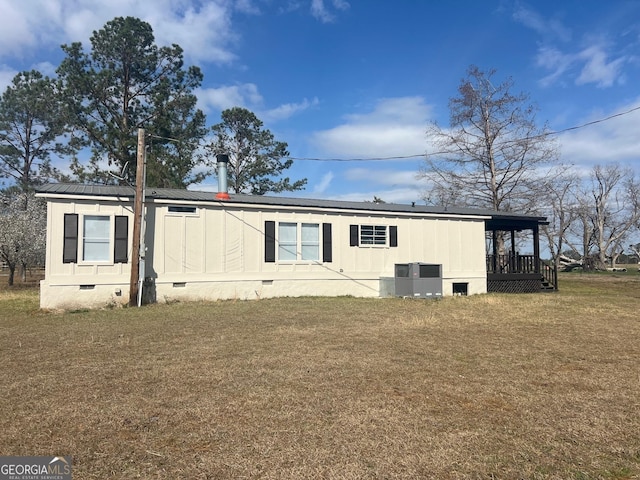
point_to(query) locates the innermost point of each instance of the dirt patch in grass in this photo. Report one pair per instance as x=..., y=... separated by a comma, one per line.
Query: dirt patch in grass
x=491, y=386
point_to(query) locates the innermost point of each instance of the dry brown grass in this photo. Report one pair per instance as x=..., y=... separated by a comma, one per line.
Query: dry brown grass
x=487, y=387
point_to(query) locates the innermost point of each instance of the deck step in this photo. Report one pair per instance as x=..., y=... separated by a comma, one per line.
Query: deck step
x=546, y=286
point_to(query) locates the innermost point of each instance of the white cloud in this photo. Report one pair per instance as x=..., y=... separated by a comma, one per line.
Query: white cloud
x=324, y=183
x=592, y=62
x=287, y=110
x=247, y=6
x=396, y=127
x=7, y=73
x=205, y=33
x=6, y=76
x=245, y=95
x=392, y=195
x=597, y=69
x=387, y=177
x=553, y=59
x=546, y=27
x=320, y=11
x=393, y=185
x=46, y=68
x=614, y=140
x=203, y=30
x=15, y=34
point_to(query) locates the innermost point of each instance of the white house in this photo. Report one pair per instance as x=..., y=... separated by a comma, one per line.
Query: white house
x=248, y=247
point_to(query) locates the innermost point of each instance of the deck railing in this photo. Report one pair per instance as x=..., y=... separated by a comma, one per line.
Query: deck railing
x=550, y=274
x=512, y=264
x=522, y=264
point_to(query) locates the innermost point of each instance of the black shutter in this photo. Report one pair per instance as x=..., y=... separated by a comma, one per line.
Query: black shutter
x=269, y=241
x=121, y=245
x=327, y=254
x=353, y=236
x=393, y=236
x=70, y=243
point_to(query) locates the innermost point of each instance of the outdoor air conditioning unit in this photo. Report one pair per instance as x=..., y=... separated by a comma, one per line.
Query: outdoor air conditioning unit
x=419, y=280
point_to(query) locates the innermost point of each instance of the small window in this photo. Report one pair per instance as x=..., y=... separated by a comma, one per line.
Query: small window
x=460, y=289
x=181, y=209
x=95, y=240
x=373, y=235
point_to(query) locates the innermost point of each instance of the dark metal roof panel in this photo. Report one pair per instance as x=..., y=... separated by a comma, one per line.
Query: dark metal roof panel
x=209, y=197
x=85, y=190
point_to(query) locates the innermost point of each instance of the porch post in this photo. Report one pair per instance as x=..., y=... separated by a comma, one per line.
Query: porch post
x=536, y=249
x=495, y=251
x=513, y=261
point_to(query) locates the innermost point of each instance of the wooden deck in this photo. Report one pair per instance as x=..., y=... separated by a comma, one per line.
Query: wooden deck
x=520, y=274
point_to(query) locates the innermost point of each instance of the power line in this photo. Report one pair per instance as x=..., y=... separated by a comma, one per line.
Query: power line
x=597, y=121
x=418, y=155
x=588, y=124
x=368, y=159
x=542, y=135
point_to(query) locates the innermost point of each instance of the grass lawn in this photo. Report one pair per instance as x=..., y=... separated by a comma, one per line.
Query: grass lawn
x=543, y=386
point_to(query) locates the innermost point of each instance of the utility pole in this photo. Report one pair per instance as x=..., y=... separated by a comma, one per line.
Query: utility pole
x=137, y=222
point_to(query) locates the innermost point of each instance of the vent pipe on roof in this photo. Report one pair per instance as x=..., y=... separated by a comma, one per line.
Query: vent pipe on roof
x=223, y=190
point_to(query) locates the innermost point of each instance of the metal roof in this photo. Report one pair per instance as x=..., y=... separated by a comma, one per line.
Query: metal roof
x=171, y=194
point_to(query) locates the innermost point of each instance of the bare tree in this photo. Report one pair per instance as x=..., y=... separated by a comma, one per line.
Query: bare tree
x=579, y=235
x=22, y=233
x=615, y=209
x=493, y=154
x=560, y=209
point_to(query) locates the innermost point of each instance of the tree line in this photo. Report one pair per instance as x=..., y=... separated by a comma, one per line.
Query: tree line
x=494, y=155
x=98, y=100
x=94, y=106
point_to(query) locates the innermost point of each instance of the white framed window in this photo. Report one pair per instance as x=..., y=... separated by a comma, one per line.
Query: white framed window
x=373, y=235
x=298, y=242
x=96, y=238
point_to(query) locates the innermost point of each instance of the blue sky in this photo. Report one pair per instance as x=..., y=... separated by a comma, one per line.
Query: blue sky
x=344, y=79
